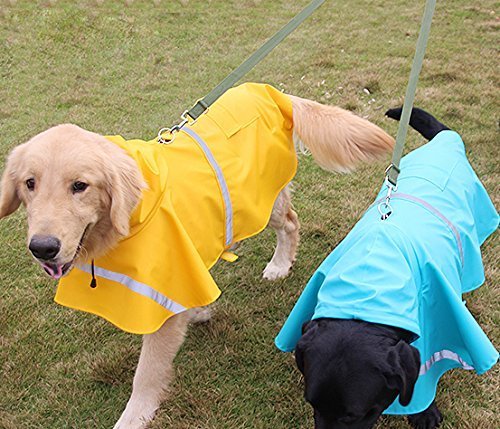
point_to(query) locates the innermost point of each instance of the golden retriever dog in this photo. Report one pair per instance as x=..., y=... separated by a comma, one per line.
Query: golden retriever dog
x=80, y=191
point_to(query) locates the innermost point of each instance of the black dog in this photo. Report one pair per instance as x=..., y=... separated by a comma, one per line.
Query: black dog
x=353, y=370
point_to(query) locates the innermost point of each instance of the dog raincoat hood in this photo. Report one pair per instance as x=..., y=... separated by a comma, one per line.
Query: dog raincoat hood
x=213, y=186
x=410, y=270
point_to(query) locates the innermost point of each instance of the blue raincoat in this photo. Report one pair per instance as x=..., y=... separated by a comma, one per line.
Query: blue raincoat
x=410, y=270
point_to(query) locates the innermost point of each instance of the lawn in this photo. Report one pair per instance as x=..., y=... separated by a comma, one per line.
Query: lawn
x=133, y=67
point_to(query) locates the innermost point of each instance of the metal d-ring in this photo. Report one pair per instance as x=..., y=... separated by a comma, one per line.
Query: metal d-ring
x=385, y=208
x=172, y=130
x=160, y=138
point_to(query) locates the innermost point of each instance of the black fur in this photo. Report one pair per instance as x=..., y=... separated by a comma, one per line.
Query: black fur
x=427, y=419
x=353, y=370
x=421, y=121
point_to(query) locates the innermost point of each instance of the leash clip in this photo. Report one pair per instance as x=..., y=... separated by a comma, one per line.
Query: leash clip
x=172, y=130
x=385, y=208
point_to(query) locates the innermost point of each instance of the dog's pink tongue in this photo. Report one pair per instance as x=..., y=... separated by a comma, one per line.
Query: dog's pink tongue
x=54, y=271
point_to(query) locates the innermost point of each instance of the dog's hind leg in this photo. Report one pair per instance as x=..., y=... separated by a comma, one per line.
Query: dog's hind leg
x=154, y=372
x=285, y=222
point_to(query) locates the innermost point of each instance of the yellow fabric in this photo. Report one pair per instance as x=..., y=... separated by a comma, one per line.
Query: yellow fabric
x=229, y=256
x=178, y=230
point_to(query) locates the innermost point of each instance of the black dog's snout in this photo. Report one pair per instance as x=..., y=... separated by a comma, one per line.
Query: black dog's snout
x=44, y=246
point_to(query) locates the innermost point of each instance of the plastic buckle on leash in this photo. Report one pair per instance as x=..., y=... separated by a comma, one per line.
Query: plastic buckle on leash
x=385, y=208
x=391, y=174
x=172, y=130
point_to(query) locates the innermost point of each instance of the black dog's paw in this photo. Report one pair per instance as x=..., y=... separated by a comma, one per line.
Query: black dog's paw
x=428, y=419
x=394, y=113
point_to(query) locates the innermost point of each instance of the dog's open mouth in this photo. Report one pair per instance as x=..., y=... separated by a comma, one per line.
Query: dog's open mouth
x=56, y=271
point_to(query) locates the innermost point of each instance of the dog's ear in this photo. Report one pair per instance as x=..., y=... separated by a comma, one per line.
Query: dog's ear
x=308, y=331
x=9, y=199
x=299, y=358
x=306, y=326
x=125, y=185
x=403, y=368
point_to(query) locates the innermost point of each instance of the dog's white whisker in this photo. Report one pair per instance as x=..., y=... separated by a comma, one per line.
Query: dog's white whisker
x=83, y=252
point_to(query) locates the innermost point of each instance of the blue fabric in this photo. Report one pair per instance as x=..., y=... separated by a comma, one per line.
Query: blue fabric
x=410, y=270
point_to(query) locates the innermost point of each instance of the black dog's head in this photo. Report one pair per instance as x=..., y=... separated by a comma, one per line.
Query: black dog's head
x=354, y=370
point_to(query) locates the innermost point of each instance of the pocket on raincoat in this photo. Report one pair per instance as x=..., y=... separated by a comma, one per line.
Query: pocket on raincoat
x=228, y=123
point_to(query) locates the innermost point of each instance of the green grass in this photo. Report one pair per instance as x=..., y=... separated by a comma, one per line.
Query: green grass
x=113, y=67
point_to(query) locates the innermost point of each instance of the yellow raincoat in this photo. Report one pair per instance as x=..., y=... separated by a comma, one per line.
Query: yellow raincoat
x=214, y=185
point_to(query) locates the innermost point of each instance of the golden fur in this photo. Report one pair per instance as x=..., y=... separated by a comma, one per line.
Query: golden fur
x=58, y=157
x=88, y=223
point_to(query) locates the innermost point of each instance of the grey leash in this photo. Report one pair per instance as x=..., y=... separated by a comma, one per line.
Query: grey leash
x=203, y=104
x=392, y=172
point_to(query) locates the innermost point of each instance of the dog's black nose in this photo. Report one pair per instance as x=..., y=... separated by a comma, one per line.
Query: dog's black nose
x=44, y=246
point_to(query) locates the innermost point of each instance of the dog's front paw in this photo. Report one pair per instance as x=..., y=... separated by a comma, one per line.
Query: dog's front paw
x=430, y=418
x=275, y=271
x=135, y=417
x=132, y=423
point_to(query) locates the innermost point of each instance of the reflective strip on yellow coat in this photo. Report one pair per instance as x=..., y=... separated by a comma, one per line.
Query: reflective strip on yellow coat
x=180, y=228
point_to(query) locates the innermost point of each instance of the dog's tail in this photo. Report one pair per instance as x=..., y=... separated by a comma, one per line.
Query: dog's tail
x=337, y=139
x=421, y=121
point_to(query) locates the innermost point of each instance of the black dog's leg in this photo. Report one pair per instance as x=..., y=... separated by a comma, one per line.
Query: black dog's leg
x=428, y=419
x=421, y=121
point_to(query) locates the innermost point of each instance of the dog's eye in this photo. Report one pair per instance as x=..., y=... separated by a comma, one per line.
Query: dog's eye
x=30, y=184
x=79, y=187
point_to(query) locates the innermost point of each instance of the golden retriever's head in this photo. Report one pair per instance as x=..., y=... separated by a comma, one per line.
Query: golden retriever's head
x=79, y=190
